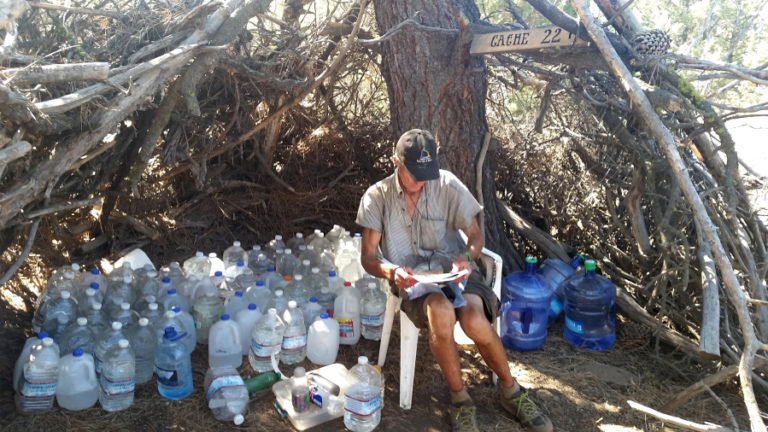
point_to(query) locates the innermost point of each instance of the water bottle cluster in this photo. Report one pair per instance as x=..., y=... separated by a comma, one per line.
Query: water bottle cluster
x=280, y=303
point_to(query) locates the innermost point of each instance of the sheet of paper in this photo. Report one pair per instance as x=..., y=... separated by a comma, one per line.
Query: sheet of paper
x=439, y=278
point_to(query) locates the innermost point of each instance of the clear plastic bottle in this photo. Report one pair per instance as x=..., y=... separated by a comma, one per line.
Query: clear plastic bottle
x=346, y=311
x=93, y=276
x=201, y=287
x=304, y=268
x=96, y=320
x=271, y=279
x=309, y=254
x=326, y=299
x=323, y=340
x=235, y=303
x=77, y=335
x=311, y=311
x=294, y=345
x=554, y=271
x=274, y=245
x=207, y=310
x=286, y=263
x=234, y=271
x=217, y=265
x=295, y=290
x=197, y=265
x=152, y=313
x=78, y=386
x=117, y=379
x=119, y=275
x=63, y=306
x=126, y=316
x=144, y=341
x=169, y=319
x=245, y=320
x=23, y=358
x=56, y=327
x=173, y=365
x=260, y=295
x=244, y=280
x=260, y=263
x=300, y=398
x=89, y=296
x=188, y=327
x=50, y=295
x=224, y=347
x=162, y=291
x=108, y=339
x=266, y=340
x=117, y=294
x=320, y=243
x=335, y=283
x=295, y=241
x=315, y=281
x=142, y=303
x=173, y=298
x=174, y=272
x=280, y=302
x=373, y=305
x=362, y=400
x=37, y=385
x=234, y=254
x=227, y=394
x=147, y=284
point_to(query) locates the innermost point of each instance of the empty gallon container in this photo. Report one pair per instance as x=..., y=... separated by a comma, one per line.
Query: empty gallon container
x=554, y=271
x=525, y=299
x=590, y=310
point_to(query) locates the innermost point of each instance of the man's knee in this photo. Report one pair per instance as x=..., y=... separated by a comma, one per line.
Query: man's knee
x=474, y=322
x=441, y=316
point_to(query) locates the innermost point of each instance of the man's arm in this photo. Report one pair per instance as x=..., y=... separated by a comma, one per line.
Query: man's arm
x=375, y=267
x=475, y=243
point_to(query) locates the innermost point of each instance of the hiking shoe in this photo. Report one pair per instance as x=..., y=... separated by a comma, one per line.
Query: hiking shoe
x=463, y=418
x=526, y=411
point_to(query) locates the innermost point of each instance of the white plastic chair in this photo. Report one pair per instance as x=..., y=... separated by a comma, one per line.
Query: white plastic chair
x=491, y=264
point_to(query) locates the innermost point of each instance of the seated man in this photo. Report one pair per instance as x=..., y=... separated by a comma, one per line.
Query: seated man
x=413, y=217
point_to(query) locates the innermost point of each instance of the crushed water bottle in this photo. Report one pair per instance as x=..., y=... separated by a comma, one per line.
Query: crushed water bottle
x=245, y=320
x=116, y=382
x=144, y=341
x=362, y=400
x=525, y=300
x=266, y=340
x=590, y=310
x=226, y=393
x=77, y=335
x=78, y=386
x=294, y=345
x=271, y=279
x=224, y=347
x=373, y=305
x=37, y=385
x=173, y=366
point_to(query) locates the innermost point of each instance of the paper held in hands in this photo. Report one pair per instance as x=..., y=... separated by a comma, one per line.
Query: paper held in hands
x=439, y=278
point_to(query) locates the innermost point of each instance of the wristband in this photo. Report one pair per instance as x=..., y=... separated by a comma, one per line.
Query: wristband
x=469, y=256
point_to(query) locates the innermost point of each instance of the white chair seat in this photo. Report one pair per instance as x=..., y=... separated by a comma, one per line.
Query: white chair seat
x=491, y=264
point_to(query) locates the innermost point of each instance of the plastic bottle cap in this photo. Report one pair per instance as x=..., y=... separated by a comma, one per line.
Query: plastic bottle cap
x=305, y=262
x=218, y=273
x=278, y=292
x=236, y=243
x=371, y=285
x=81, y=321
x=358, y=235
x=152, y=306
x=65, y=294
x=315, y=269
x=332, y=274
x=125, y=306
x=95, y=271
x=143, y=321
x=299, y=235
x=278, y=237
x=259, y=282
x=272, y=311
x=313, y=299
x=176, y=309
x=298, y=277
x=310, y=247
x=127, y=279
x=324, y=315
x=172, y=291
x=240, y=264
x=362, y=360
x=152, y=274
x=150, y=299
x=256, y=247
x=166, y=280
x=199, y=254
x=170, y=314
x=94, y=286
x=238, y=420
x=531, y=260
x=299, y=372
x=225, y=317
x=347, y=284
x=288, y=251
x=589, y=265
x=123, y=343
x=47, y=341
x=270, y=269
x=287, y=278
x=77, y=352
x=117, y=325
x=212, y=255
x=90, y=292
x=238, y=293
x=252, y=306
x=96, y=306
x=42, y=335
x=292, y=304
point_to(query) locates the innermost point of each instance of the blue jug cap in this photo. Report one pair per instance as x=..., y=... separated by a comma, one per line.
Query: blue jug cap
x=252, y=306
x=238, y=293
x=172, y=291
x=95, y=271
x=218, y=273
x=176, y=309
x=42, y=335
x=225, y=317
x=270, y=269
x=324, y=315
x=332, y=274
x=166, y=280
x=94, y=285
x=77, y=352
x=313, y=299
x=259, y=282
x=240, y=264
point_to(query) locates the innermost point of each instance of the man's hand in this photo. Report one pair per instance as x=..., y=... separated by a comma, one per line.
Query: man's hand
x=461, y=263
x=403, y=278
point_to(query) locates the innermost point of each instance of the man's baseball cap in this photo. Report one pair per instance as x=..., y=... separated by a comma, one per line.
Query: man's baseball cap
x=417, y=151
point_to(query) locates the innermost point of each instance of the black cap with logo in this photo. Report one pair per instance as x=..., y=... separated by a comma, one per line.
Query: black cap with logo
x=417, y=151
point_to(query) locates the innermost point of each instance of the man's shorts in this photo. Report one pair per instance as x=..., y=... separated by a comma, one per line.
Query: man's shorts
x=475, y=284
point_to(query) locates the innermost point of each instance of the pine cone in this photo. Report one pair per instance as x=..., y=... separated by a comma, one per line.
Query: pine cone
x=651, y=42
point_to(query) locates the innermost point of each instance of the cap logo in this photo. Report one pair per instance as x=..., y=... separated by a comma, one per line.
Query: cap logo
x=424, y=158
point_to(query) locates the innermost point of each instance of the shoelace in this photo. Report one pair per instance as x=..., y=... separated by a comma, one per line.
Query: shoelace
x=528, y=408
x=465, y=418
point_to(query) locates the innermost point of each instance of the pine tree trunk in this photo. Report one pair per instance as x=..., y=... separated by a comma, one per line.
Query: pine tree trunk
x=434, y=84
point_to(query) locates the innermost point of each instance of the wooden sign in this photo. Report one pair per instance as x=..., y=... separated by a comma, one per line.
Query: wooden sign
x=524, y=40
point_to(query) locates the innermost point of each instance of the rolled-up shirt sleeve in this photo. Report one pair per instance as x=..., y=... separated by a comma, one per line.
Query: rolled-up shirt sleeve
x=370, y=213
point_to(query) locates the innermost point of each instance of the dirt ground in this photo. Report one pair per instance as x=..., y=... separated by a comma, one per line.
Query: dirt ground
x=581, y=390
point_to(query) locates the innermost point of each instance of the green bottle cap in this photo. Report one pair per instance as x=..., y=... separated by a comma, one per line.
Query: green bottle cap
x=531, y=260
x=589, y=265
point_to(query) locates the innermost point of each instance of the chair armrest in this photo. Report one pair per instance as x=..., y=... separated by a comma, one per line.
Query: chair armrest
x=492, y=266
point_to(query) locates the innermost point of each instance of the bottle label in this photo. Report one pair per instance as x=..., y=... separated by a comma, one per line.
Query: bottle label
x=224, y=381
x=300, y=400
x=362, y=407
x=167, y=377
x=116, y=387
x=264, y=351
x=372, y=321
x=31, y=389
x=574, y=326
x=346, y=327
x=297, y=342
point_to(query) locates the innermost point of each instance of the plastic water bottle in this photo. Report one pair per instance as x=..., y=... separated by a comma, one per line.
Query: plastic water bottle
x=280, y=302
x=226, y=393
x=294, y=345
x=78, y=387
x=326, y=298
x=106, y=341
x=63, y=306
x=126, y=316
x=311, y=311
x=295, y=241
x=224, y=347
x=37, y=385
x=362, y=400
x=271, y=279
x=147, y=283
x=259, y=263
x=89, y=296
x=96, y=320
x=335, y=283
x=29, y=345
x=323, y=340
x=197, y=265
x=266, y=340
x=304, y=268
x=51, y=294
x=117, y=294
x=141, y=305
x=94, y=276
x=144, y=341
x=590, y=310
x=173, y=365
x=206, y=312
x=346, y=311
x=234, y=254
x=245, y=320
x=188, y=326
x=310, y=254
x=77, y=335
x=174, y=299
x=525, y=299
x=259, y=295
x=235, y=304
x=56, y=327
x=174, y=272
x=116, y=382
x=286, y=263
x=300, y=398
x=373, y=305
x=274, y=245
x=152, y=313
x=554, y=271
x=217, y=265
x=233, y=272
x=162, y=291
x=295, y=290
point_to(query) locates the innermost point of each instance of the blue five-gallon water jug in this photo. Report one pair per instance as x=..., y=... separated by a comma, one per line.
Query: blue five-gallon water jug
x=555, y=271
x=525, y=299
x=590, y=310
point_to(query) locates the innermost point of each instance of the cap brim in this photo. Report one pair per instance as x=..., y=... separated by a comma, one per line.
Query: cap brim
x=424, y=172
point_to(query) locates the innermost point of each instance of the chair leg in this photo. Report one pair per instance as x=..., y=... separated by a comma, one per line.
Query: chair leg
x=393, y=304
x=409, y=340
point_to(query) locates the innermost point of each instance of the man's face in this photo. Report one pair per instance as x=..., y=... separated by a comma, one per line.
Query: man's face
x=406, y=181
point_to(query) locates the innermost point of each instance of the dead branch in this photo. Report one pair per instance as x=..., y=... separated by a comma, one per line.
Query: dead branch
x=98, y=71
x=709, y=427
x=78, y=10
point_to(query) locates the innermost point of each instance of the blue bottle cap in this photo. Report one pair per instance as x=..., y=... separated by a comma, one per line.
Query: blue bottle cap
x=95, y=271
x=225, y=317
x=313, y=299
x=77, y=352
x=252, y=306
x=270, y=269
x=94, y=285
x=324, y=315
x=259, y=282
x=332, y=274
x=166, y=280
x=240, y=264
x=176, y=309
